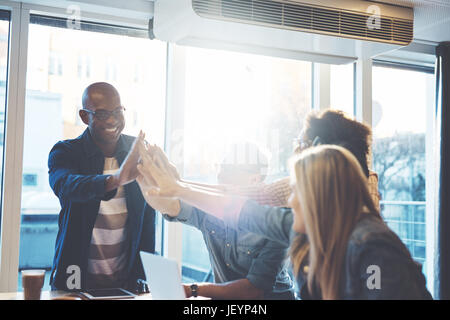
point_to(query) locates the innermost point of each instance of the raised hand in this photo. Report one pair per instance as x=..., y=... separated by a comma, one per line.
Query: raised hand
x=128, y=170
x=147, y=154
x=157, y=173
x=163, y=205
x=170, y=166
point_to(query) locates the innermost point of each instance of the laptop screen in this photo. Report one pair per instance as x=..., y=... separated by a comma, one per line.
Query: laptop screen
x=163, y=277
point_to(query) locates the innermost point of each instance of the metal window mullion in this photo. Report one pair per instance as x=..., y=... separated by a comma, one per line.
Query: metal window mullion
x=13, y=150
x=174, y=133
x=363, y=95
x=321, y=86
x=431, y=189
x=364, y=91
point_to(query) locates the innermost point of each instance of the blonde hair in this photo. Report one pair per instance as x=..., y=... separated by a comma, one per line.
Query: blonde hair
x=333, y=195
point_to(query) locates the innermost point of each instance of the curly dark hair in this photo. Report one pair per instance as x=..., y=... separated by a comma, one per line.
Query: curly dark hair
x=335, y=127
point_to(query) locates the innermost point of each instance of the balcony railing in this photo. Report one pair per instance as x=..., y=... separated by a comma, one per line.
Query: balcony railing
x=408, y=220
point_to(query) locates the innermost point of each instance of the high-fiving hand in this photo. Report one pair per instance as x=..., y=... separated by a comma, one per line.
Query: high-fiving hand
x=162, y=187
x=157, y=173
x=128, y=170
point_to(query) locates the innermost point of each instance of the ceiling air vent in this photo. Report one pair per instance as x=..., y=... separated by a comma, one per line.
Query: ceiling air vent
x=308, y=17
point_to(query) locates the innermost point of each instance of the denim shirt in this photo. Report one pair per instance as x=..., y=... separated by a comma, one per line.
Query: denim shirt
x=371, y=243
x=236, y=255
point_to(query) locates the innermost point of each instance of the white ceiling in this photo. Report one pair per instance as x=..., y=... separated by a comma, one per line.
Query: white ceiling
x=431, y=18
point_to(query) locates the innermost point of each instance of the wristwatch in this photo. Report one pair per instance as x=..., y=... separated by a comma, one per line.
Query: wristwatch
x=194, y=290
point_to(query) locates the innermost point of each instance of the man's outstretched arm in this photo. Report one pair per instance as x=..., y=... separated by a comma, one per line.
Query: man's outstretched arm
x=241, y=289
x=68, y=184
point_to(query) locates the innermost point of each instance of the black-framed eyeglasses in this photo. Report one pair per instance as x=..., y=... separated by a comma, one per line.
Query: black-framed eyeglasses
x=105, y=114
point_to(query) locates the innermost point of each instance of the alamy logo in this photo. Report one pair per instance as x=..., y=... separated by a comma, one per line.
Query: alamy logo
x=374, y=21
x=374, y=280
x=74, y=280
x=74, y=20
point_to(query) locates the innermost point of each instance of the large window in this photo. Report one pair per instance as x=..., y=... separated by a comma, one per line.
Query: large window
x=342, y=87
x=4, y=45
x=401, y=100
x=58, y=72
x=225, y=97
x=233, y=97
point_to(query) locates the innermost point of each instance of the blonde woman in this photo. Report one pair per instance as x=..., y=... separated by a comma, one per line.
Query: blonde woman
x=350, y=252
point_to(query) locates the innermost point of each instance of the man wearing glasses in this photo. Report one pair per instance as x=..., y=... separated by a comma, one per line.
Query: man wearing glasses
x=104, y=220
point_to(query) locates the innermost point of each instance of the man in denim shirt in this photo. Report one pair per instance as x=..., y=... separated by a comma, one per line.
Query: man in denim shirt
x=245, y=265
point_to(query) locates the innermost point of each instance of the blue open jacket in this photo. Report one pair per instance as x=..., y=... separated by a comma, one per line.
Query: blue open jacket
x=76, y=177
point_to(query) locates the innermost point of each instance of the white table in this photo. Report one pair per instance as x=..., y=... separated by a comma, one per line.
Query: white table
x=60, y=295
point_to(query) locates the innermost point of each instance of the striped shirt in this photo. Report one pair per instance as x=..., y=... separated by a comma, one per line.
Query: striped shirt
x=108, y=251
x=276, y=194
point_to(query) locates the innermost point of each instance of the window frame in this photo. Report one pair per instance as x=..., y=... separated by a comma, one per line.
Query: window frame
x=5, y=15
x=175, y=97
x=13, y=144
x=431, y=165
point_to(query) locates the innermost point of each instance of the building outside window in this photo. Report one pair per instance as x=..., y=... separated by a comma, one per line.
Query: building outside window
x=55, y=64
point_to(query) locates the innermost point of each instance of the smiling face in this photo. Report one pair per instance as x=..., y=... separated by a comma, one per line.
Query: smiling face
x=100, y=98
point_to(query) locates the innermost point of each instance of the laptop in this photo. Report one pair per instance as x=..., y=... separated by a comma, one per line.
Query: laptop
x=163, y=277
